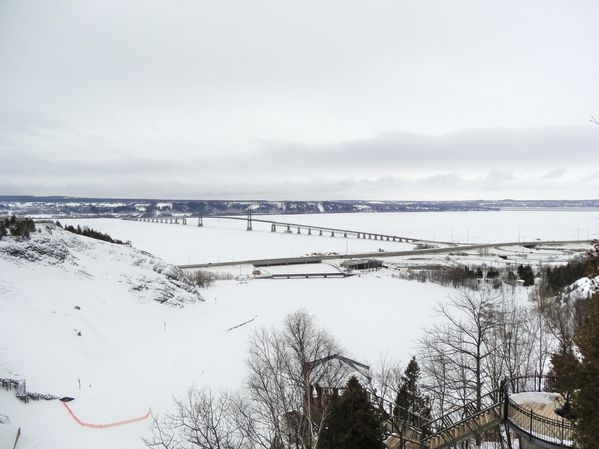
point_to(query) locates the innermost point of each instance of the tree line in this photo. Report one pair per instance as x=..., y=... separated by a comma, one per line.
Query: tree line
x=91, y=233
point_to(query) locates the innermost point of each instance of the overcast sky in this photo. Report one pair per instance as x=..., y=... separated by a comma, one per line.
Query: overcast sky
x=276, y=99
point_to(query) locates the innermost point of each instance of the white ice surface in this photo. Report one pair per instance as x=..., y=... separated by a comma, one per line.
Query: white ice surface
x=227, y=240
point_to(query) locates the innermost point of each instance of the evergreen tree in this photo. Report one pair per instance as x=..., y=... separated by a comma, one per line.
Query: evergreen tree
x=526, y=274
x=410, y=403
x=586, y=408
x=563, y=373
x=353, y=423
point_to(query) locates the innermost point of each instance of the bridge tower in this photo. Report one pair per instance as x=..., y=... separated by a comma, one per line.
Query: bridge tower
x=201, y=215
x=249, y=222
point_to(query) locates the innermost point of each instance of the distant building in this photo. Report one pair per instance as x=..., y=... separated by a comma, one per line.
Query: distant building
x=362, y=264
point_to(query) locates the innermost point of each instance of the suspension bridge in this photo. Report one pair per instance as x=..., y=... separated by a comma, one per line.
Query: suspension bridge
x=295, y=228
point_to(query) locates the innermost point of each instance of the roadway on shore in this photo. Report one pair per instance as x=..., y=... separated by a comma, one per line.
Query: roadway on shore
x=377, y=255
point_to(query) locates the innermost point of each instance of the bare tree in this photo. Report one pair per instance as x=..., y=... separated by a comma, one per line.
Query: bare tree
x=202, y=420
x=286, y=368
x=386, y=380
x=455, y=351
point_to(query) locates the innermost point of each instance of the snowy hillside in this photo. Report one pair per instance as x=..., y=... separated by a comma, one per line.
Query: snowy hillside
x=62, y=299
x=82, y=258
x=135, y=352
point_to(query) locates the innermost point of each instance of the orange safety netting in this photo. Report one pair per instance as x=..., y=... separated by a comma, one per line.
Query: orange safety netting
x=104, y=426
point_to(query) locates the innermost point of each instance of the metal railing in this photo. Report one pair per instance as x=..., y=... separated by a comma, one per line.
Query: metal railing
x=403, y=424
x=559, y=431
x=556, y=431
x=462, y=413
x=530, y=383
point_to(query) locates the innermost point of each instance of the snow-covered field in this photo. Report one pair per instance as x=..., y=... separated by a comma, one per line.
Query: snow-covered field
x=134, y=353
x=227, y=240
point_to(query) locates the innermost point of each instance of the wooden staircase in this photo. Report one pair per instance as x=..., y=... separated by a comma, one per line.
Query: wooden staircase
x=471, y=426
x=467, y=421
x=473, y=419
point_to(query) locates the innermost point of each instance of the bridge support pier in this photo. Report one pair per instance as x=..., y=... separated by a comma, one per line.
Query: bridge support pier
x=273, y=227
x=332, y=233
x=249, y=226
x=320, y=233
x=288, y=229
x=299, y=230
x=201, y=209
x=309, y=231
x=345, y=234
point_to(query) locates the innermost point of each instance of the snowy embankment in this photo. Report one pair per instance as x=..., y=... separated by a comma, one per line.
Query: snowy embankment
x=135, y=352
x=584, y=287
x=68, y=313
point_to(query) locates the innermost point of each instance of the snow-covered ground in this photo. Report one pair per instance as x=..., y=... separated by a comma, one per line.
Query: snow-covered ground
x=227, y=240
x=134, y=353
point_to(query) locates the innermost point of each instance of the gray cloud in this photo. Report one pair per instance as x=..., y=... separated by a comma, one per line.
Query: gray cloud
x=473, y=164
x=538, y=148
x=270, y=99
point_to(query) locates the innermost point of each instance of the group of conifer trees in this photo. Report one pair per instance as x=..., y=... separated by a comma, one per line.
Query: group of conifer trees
x=92, y=233
x=354, y=423
x=16, y=226
x=575, y=365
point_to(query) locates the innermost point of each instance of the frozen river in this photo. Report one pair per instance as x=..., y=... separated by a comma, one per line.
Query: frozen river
x=227, y=240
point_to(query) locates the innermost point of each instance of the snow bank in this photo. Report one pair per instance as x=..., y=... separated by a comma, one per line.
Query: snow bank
x=542, y=403
x=145, y=275
x=584, y=287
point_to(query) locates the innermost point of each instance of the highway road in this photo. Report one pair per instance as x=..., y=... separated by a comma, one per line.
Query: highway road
x=376, y=255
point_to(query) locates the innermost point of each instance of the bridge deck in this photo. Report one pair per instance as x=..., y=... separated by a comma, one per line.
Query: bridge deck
x=305, y=275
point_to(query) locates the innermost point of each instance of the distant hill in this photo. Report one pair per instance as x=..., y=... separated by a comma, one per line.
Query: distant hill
x=61, y=206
